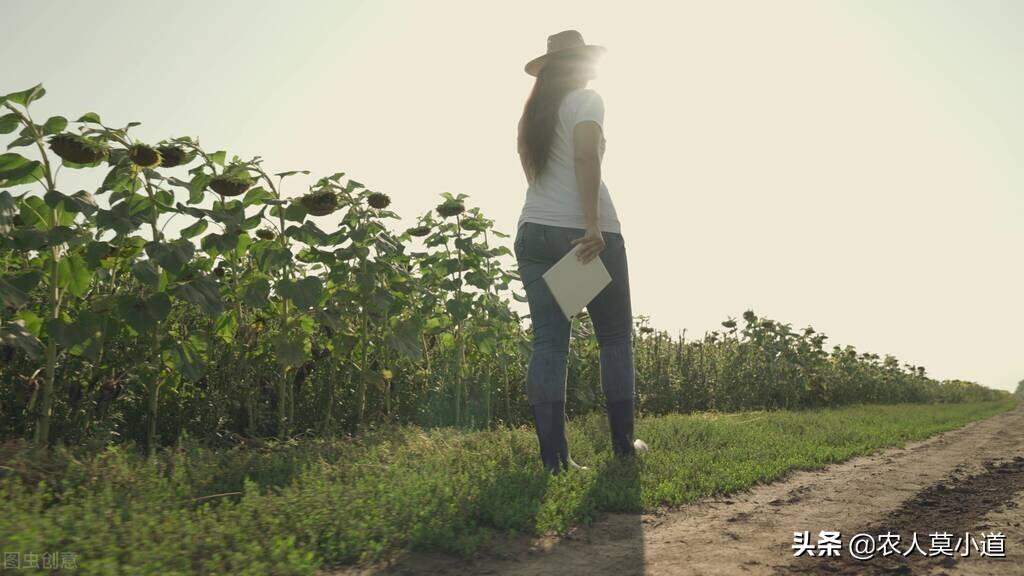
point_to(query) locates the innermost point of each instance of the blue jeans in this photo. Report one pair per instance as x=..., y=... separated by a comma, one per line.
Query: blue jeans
x=537, y=248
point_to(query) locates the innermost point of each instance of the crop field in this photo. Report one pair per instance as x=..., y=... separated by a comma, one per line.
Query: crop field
x=291, y=363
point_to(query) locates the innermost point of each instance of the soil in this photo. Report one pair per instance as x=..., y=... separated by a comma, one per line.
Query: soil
x=968, y=483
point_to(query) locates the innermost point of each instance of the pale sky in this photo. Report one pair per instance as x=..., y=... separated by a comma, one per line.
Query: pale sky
x=856, y=166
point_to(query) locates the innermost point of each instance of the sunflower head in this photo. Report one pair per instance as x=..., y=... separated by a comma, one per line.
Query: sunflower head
x=474, y=224
x=419, y=231
x=378, y=200
x=231, y=184
x=171, y=156
x=144, y=156
x=77, y=148
x=320, y=203
x=451, y=208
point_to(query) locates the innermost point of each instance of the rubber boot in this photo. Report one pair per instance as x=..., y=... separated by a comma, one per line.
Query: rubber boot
x=563, y=452
x=546, y=417
x=620, y=422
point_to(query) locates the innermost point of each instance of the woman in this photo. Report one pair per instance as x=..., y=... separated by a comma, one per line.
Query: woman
x=561, y=145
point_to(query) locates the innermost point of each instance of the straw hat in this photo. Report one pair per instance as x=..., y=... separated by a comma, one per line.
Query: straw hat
x=565, y=42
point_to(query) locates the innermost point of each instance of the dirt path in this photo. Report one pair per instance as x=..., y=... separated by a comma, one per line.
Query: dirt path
x=969, y=480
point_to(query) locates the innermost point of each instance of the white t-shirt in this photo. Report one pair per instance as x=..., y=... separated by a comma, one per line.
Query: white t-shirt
x=553, y=198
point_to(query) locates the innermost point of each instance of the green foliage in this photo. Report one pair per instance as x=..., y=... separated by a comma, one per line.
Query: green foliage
x=275, y=313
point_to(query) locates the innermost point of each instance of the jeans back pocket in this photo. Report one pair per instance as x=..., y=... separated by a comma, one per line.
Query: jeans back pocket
x=517, y=244
x=532, y=242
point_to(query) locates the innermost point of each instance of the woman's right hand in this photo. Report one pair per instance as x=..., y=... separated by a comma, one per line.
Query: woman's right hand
x=592, y=244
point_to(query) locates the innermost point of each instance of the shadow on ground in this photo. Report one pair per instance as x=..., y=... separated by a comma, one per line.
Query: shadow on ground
x=616, y=486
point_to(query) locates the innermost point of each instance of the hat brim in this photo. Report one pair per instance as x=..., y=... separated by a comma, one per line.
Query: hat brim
x=533, y=66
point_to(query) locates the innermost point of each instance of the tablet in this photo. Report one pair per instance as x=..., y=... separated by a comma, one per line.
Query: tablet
x=574, y=284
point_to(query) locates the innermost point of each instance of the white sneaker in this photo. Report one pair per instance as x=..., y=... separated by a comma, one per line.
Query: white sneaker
x=574, y=466
x=640, y=445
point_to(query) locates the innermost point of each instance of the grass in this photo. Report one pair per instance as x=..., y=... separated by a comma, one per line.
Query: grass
x=293, y=506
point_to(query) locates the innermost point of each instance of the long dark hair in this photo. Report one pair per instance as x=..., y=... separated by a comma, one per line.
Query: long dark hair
x=555, y=79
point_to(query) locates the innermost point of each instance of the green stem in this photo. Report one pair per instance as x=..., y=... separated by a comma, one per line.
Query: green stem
x=363, y=369
x=42, y=431
x=153, y=388
x=282, y=383
x=326, y=428
x=42, y=435
x=384, y=366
